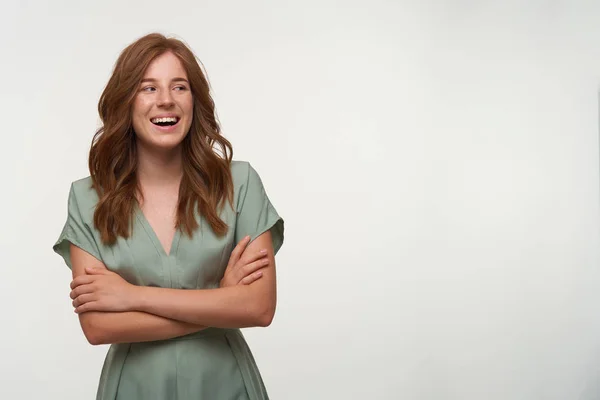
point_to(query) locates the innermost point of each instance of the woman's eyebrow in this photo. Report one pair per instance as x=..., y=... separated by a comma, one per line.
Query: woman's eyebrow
x=172, y=80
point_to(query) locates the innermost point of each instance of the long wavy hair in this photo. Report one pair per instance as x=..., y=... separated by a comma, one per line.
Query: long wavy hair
x=206, y=184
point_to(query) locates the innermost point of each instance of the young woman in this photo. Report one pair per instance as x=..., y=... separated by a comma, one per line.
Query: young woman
x=171, y=243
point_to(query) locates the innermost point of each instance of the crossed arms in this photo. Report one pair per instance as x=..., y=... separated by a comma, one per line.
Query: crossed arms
x=111, y=310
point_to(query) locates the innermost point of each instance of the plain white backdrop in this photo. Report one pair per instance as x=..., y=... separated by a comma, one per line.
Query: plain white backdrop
x=436, y=163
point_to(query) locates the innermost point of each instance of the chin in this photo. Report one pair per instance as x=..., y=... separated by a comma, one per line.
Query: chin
x=166, y=142
x=155, y=139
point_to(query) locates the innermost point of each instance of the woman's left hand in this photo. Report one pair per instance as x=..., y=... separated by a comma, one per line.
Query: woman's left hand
x=102, y=290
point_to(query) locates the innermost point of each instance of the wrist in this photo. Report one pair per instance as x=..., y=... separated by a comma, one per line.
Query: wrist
x=138, y=298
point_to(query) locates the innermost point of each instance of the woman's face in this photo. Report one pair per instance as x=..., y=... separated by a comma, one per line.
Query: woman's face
x=163, y=107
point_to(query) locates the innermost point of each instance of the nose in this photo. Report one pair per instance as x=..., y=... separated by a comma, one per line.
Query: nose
x=165, y=99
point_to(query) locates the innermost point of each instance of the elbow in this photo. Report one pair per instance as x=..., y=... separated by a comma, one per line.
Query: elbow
x=265, y=315
x=94, y=338
x=91, y=330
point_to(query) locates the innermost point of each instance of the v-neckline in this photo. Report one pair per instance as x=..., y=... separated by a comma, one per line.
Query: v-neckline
x=153, y=236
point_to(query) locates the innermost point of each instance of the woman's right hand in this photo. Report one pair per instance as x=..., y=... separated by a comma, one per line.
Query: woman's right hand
x=244, y=270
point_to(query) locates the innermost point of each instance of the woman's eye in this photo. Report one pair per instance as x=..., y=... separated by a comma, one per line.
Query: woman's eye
x=152, y=88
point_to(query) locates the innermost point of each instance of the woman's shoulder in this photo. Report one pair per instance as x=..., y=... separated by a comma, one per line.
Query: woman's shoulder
x=244, y=178
x=239, y=169
x=241, y=173
x=84, y=193
x=244, y=175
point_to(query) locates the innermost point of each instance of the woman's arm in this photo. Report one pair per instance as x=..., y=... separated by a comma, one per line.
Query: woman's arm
x=230, y=307
x=101, y=327
x=239, y=306
x=132, y=326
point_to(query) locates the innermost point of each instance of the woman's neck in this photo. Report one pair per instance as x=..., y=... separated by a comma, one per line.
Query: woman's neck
x=159, y=168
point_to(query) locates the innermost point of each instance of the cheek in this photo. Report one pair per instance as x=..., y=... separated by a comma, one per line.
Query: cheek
x=140, y=107
x=189, y=111
x=188, y=106
x=136, y=119
x=139, y=112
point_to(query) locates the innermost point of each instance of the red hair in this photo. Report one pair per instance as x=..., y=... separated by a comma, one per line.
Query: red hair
x=206, y=184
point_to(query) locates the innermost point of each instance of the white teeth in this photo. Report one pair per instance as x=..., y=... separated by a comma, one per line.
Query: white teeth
x=166, y=119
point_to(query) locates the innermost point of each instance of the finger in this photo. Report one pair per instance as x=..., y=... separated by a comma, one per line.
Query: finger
x=241, y=246
x=251, y=268
x=82, y=289
x=96, y=271
x=251, y=278
x=90, y=306
x=81, y=280
x=83, y=299
x=238, y=250
x=251, y=257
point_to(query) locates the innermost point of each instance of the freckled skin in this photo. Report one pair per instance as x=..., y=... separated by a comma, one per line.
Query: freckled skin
x=163, y=95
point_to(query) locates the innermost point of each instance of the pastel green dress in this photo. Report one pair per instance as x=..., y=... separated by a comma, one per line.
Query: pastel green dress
x=213, y=364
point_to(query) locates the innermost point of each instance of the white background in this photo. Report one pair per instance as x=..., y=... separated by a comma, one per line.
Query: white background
x=436, y=163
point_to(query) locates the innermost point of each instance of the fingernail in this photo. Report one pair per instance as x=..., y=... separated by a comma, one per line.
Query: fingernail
x=263, y=251
x=259, y=274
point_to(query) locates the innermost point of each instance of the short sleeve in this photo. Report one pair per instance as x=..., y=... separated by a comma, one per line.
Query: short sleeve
x=75, y=231
x=255, y=213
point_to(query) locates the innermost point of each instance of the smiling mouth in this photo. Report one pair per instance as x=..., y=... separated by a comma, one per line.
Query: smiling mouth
x=168, y=121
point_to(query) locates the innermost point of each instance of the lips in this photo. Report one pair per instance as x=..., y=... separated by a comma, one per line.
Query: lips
x=165, y=120
x=166, y=128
